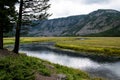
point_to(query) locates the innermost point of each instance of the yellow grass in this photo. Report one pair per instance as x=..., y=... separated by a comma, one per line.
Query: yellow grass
x=103, y=45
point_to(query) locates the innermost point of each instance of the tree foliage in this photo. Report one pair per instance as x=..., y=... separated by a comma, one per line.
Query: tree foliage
x=30, y=10
x=35, y=10
x=7, y=14
x=7, y=17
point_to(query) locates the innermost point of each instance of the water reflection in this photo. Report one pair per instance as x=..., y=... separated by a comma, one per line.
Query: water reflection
x=107, y=70
x=75, y=62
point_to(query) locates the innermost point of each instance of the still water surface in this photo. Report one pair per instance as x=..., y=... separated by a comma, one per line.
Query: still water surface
x=110, y=70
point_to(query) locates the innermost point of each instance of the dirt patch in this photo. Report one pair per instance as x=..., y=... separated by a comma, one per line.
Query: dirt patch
x=52, y=77
x=6, y=52
x=41, y=77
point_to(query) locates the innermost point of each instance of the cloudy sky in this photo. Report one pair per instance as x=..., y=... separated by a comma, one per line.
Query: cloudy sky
x=64, y=8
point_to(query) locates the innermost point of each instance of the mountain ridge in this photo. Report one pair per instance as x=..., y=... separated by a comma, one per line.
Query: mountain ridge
x=92, y=24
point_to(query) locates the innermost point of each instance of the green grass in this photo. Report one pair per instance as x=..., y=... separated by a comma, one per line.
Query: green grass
x=22, y=67
x=74, y=74
x=108, y=46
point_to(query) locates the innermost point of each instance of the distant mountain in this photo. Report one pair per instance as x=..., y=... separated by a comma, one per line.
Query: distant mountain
x=103, y=22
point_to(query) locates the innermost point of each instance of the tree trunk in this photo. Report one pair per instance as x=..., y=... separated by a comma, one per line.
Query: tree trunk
x=1, y=26
x=18, y=28
x=1, y=36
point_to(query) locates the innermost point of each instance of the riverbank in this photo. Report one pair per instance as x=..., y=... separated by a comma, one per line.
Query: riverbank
x=100, y=46
x=22, y=67
x=104, y=46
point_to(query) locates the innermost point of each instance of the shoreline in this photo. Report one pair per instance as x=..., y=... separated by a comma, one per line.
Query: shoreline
x=76, y=44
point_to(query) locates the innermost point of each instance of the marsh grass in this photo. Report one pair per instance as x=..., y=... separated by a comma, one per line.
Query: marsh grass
x=108, y=46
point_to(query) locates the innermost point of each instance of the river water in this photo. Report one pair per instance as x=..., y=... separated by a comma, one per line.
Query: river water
x=105, y=69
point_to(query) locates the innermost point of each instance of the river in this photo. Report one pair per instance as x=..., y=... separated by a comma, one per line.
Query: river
x=46, y=51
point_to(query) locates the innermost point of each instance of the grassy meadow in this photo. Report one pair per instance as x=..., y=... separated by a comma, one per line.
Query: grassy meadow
x=28, y=68
x=108, y=46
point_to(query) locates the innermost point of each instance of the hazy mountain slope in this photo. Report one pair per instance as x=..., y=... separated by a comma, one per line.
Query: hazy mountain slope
x=97, y=23
x=101, y=21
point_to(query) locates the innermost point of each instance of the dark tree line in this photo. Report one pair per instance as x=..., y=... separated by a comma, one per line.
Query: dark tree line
x=7, y=17
x=28, y=10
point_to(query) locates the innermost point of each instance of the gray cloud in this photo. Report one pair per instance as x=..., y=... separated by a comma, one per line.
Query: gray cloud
x=95, y=1
x=63, y=8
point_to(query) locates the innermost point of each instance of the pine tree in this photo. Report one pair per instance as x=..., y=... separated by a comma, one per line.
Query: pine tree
x=7, y=17
x=30, y=10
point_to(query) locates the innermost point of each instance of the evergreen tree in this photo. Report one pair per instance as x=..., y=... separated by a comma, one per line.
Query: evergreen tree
x=7, y=17
x=30, y=10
